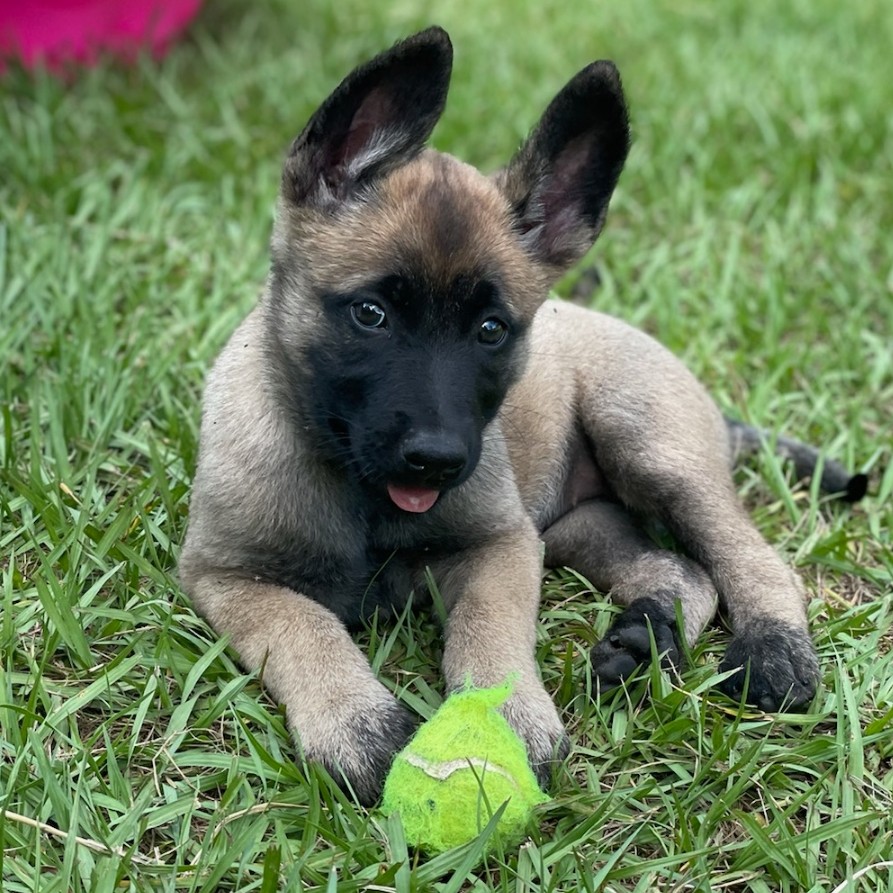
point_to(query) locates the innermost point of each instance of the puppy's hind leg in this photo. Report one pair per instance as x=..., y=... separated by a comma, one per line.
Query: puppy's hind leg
x=663, y=447
x=604, y=543
x=763, y=598
x=679, y=474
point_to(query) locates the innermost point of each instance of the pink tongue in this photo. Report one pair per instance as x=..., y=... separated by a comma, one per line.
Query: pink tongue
x=412, y=499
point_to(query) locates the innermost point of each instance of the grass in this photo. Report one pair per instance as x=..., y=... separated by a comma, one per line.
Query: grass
x=750, y=233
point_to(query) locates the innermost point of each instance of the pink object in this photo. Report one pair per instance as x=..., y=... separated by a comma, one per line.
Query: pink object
x=55, y=32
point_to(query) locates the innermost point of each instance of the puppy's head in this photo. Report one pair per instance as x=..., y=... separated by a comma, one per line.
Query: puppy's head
x=404, y=282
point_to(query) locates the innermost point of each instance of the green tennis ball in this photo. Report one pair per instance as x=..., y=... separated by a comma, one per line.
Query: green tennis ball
x=456, y=772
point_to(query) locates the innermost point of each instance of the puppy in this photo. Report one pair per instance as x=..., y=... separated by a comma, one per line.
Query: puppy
x=404, y=398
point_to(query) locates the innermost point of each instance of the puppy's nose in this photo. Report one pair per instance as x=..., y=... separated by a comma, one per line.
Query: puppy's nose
x=434, y=457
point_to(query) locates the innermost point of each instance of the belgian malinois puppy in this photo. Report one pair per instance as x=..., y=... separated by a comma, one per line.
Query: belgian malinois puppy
x=405, y=398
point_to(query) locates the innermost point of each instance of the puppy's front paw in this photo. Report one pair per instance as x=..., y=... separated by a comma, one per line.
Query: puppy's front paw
x=532, y=714
x=357, y=749
x=782, y=663
x=627, y=644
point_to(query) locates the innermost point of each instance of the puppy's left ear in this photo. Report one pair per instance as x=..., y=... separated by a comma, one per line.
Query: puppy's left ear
x=560, y=182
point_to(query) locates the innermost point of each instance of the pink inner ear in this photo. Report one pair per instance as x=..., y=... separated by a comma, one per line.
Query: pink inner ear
x=561, y=192
x=561, y=197
x=373, y=115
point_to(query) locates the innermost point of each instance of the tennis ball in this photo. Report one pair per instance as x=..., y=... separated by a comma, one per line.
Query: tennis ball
x=457, y=771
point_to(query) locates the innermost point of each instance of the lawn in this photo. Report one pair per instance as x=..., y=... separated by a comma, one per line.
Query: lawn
x=751, y=233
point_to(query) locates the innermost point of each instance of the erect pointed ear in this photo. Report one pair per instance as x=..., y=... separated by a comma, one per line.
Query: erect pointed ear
x=377, y=119
x=560, y=182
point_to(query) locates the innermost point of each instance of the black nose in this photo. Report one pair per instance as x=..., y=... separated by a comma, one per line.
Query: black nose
x=434, y=457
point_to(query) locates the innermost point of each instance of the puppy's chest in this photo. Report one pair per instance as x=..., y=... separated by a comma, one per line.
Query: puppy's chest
x=353, y=583
x=378, y=580
x=386, y=575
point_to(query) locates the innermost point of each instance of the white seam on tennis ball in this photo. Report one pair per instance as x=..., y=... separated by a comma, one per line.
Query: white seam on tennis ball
x=443, y=770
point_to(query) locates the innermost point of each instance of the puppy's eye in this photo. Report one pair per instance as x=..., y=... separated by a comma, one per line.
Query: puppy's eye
x=368, y=315
x=493, y=331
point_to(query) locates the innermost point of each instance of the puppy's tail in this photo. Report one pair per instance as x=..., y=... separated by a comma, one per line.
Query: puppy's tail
x=746, y=440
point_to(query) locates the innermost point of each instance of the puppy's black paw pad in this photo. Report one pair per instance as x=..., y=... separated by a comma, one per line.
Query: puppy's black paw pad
x=627, y=644
x=778, y=665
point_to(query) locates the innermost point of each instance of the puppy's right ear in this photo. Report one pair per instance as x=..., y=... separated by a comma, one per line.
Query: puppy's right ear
x=378, y=118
